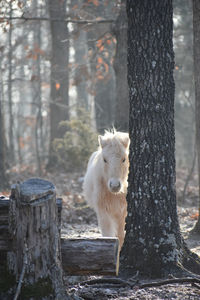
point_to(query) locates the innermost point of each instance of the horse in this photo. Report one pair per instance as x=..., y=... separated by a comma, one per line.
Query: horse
x=105, y=183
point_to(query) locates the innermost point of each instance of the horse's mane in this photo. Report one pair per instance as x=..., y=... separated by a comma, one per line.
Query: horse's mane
x=114, y=137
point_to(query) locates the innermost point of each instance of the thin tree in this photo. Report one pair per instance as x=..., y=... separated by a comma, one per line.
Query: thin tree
x=37, y=92
x=196, y=54
x=120, y=68
x=3, y=176
x=153, y=243
x=10, y=104
x=59, y=71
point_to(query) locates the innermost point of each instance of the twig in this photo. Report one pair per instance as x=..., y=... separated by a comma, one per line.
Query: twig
x=111, y=280
x=109, y=286
x=196, y=285
x=21, y=278
x=169, y=281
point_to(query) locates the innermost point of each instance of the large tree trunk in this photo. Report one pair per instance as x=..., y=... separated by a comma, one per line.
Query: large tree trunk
x=59, y=110
x=153, y=243
x=196, y=51
x=120, y=66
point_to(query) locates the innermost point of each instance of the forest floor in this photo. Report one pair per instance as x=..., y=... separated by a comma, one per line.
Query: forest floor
x=78, y=220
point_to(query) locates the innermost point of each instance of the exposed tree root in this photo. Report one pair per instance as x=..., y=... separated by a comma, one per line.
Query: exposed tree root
x=190, y=260
x=118, y=282
x=170, y=281
x=105, y=281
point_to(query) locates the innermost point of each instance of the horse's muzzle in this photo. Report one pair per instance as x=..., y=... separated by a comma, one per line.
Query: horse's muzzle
x=114, y=185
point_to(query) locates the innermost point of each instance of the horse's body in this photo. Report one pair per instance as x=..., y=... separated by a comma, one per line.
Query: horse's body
x=105, y=183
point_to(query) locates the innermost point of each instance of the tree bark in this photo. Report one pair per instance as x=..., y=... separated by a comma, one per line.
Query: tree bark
x=153, y=243
x=5, y=239
x=120, y=67
x=102, y=79
x=33, y=226
x=59, y=109
x=90, y=256
x=4, y=183
x=196, y=54
x=10, y=104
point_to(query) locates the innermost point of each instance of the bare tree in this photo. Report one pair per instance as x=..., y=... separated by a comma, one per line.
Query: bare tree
x=3, y=176
x=37, y=93
x=120, y=67
x=11, y=119
x=59, y=109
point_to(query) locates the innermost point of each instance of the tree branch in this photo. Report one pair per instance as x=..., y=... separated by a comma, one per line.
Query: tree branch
x=97, y=21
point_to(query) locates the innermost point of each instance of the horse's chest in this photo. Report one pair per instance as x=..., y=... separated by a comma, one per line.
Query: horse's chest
x=112, y=203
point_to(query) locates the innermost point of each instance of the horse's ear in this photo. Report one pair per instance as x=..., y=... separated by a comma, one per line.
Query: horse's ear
x=124, y=139
x=102, y=141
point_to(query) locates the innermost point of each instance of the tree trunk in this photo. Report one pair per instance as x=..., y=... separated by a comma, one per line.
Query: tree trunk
x=33, y=225
x=102, y=79
x=3, y=176
x=10, y=104
x=59, y=109
x=120, y=68
x=153, y=243
x=104, y=104
x=81, y=72
x=196, y=54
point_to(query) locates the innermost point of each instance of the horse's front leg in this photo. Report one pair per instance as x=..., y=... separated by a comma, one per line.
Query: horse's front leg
x=121, y=234
x=106, y=224
x=121, y=228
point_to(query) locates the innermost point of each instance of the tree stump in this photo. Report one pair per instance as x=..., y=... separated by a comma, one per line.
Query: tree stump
x=33, y=225
x=5, y=240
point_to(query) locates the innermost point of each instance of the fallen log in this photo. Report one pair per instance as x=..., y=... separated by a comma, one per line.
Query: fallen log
x=90, y=256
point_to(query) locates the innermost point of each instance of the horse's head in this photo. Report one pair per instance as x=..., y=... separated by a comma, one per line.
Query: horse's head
x=114, y=155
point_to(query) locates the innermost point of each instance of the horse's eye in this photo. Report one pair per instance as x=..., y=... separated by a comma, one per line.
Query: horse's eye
x=105, y=160
x=123, y=160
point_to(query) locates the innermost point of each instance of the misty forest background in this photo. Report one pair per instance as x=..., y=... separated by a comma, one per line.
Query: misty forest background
x=63, y=80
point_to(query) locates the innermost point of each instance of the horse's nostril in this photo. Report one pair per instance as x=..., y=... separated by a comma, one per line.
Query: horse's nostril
x=115, y=185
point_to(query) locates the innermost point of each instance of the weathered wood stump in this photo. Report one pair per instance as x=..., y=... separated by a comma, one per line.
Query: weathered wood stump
x=90, y=256
x=33, y=226
x=5, y=239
